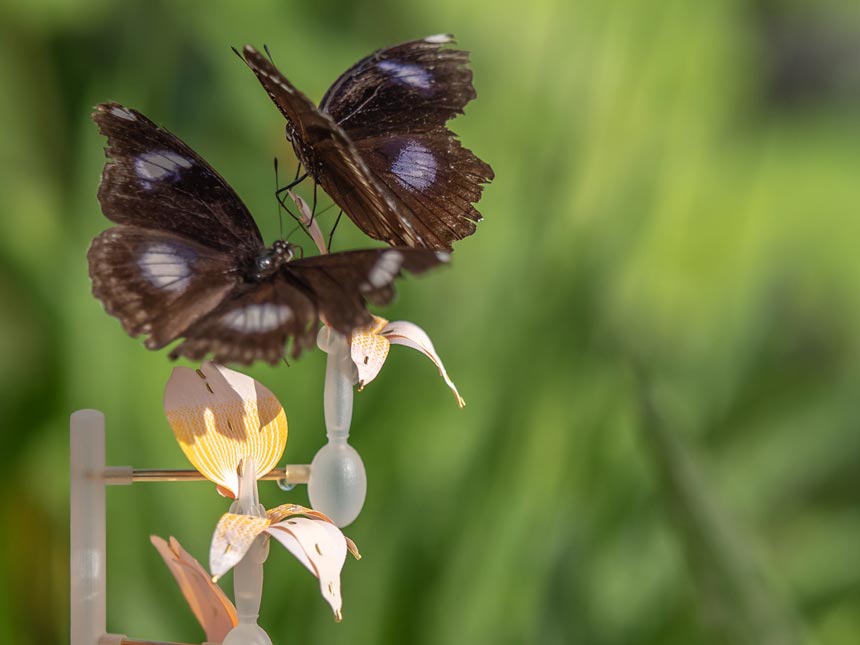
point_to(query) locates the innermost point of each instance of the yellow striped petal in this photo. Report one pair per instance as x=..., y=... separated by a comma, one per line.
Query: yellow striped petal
x=220, y=417
x=234, y=535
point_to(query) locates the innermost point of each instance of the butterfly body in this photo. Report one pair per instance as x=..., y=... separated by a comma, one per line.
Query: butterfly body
x=186, y=259
x=378, y=143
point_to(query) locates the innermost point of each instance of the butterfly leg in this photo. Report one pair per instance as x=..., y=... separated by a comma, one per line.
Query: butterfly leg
x=292, y=184
x=314, y=207
x=333, y=229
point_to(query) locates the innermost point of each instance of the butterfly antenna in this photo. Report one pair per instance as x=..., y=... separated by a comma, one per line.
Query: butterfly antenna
x=333, y=229
x=280, y=216
x=241, y=58
x=268, y=53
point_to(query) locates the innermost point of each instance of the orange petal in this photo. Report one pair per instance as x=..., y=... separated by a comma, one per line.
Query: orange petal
x=213, y=610
x=220, y=417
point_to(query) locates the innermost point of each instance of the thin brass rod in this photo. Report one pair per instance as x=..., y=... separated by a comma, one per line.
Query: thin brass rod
x=134, y=641
x=293, y=474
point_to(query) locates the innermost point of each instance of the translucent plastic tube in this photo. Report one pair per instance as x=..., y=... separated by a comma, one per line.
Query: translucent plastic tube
x=338, y=480
x=248, y=573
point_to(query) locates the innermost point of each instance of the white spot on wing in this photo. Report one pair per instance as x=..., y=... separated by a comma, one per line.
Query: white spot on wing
x=407, y=73
x=439, y=39
x=415, y=166
x=167, y=267
x=122, y=113
x=385, y=269
x=256, y=318
x=159, y=165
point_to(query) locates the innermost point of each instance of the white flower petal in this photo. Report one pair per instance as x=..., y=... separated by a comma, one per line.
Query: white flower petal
x=401, y=332
x=321, y=548
x=369, y=350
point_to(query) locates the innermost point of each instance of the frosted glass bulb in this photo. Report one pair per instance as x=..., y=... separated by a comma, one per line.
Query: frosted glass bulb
x=247, y=634
x=338, y=482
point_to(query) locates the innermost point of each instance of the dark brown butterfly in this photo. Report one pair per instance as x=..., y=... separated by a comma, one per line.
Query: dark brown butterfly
x=187, y=259
x=378, y=144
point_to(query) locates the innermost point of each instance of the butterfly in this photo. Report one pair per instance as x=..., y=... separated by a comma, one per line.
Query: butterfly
x=379, y=146
x=186, y=258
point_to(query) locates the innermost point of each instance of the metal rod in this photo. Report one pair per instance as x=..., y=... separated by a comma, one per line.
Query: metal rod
x=293, y=474
x=134, y=641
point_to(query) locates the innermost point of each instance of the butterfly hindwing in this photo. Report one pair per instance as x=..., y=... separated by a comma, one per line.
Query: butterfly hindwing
x=254, y=323
x=153, y=180
x=432, y=176
x=157, y=283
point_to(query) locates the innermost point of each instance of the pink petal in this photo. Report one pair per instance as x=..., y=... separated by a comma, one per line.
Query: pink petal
x=406, y=333
x=320, y=547
x=213, y=610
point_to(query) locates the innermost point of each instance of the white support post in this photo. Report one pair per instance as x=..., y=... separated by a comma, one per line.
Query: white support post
x=87, y=527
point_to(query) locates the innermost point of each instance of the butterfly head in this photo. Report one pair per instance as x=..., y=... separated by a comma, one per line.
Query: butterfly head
x=270, y=260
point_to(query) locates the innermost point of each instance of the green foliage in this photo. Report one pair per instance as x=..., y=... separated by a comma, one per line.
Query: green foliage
x=670, y=193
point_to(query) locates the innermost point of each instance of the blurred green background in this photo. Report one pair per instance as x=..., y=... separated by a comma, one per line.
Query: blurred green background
x=655, y=328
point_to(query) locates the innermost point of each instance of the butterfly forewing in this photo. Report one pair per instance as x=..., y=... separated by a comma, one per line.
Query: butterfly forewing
x=341, y=281
x=412, y=86
x=153, y=180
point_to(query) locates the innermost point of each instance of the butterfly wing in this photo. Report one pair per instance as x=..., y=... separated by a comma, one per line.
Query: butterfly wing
x=255, y=323
x=157, y=283
x=342, y=282
x=182, y=236
x=431, y=176
x=414, y=85
x=154, y=181
x=333, y=160
x=393, y=105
